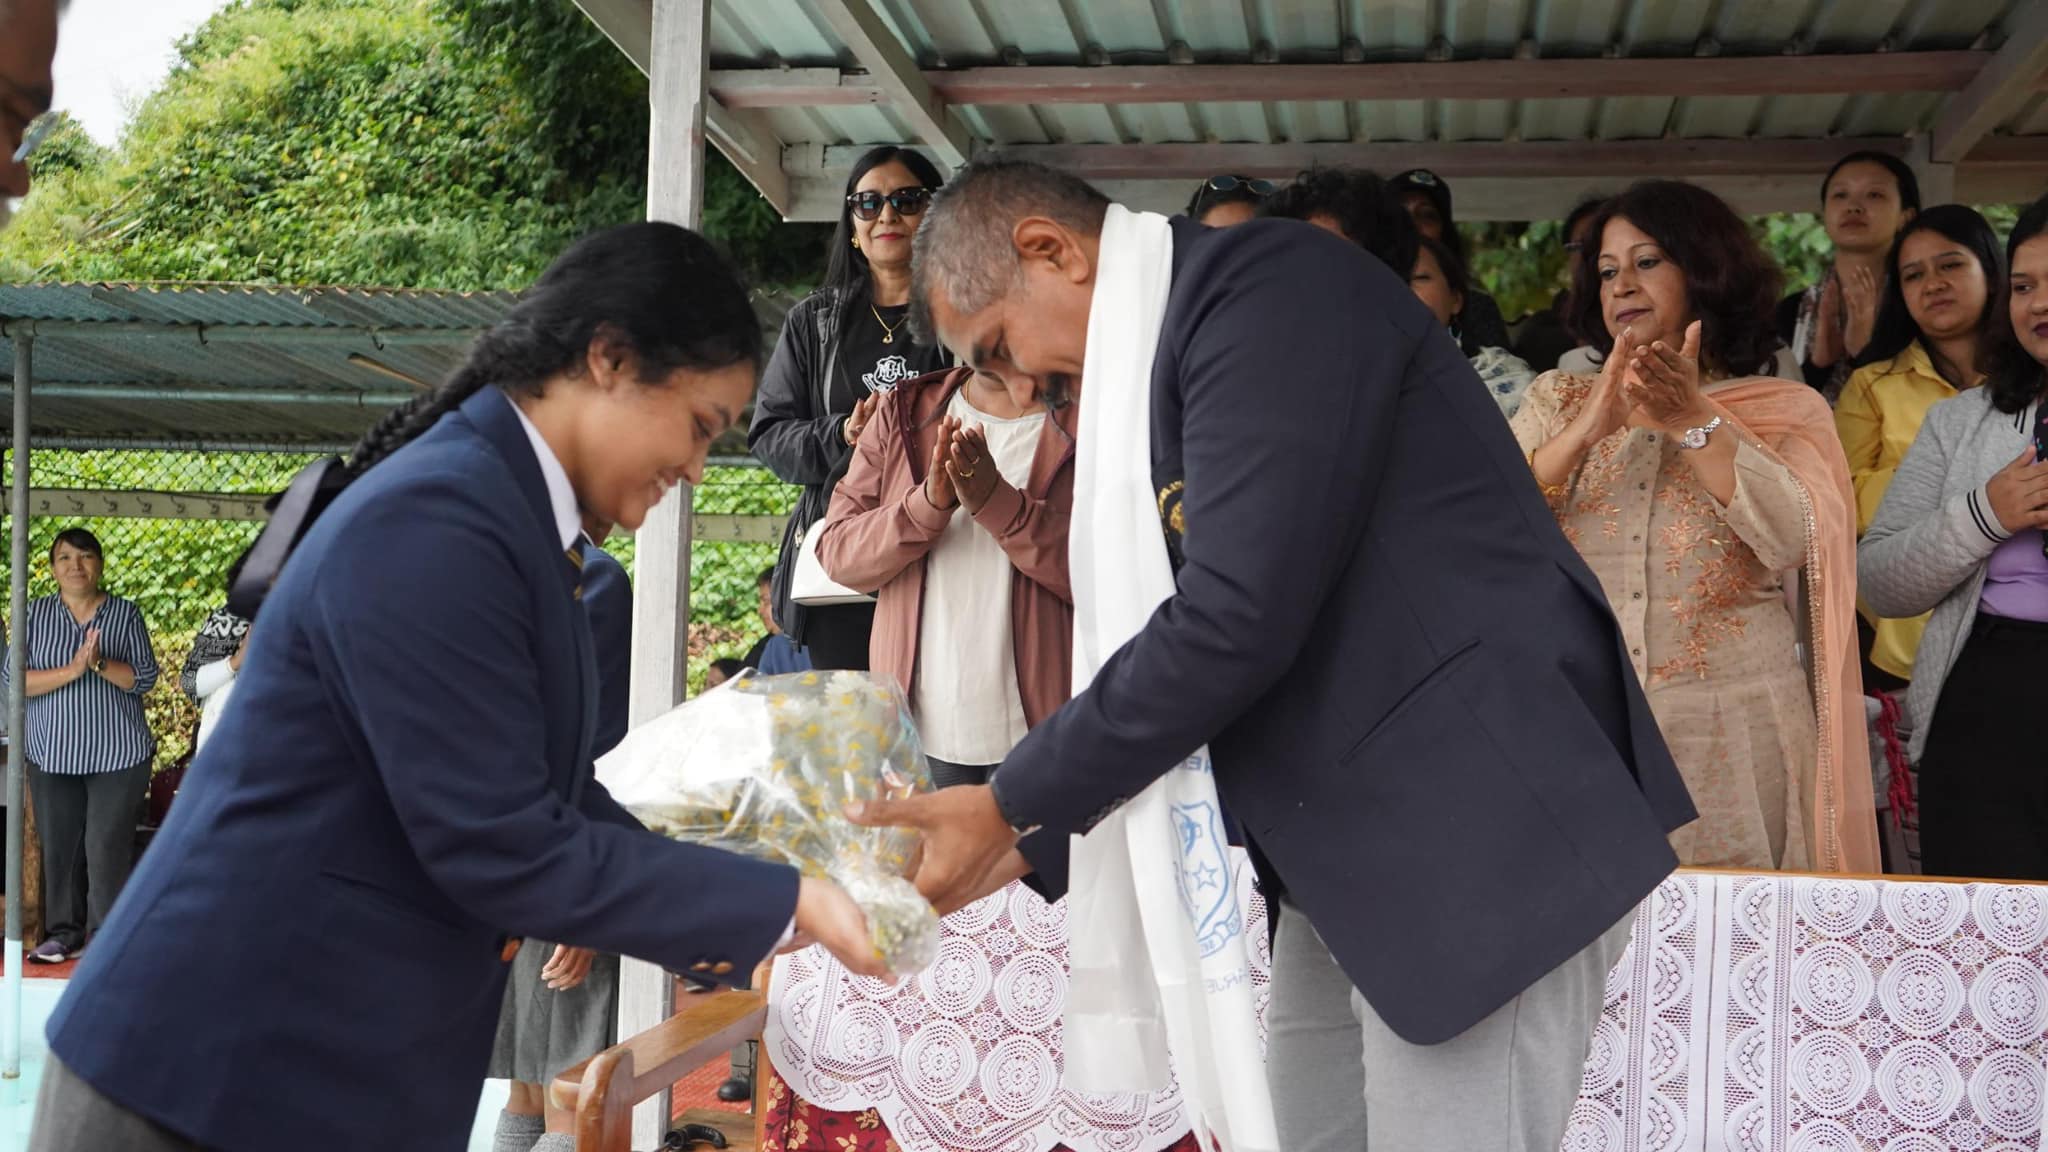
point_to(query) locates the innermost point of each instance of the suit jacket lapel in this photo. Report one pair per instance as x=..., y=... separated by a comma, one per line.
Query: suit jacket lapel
x=490, y=411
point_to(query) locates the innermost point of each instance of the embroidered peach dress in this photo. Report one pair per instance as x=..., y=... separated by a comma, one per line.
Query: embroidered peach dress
x=1701, y=592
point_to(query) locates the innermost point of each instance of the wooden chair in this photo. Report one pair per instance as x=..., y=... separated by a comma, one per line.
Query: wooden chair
x=707, y=1026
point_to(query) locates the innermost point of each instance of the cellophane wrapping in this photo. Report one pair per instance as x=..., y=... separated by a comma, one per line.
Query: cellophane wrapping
x=765, y=765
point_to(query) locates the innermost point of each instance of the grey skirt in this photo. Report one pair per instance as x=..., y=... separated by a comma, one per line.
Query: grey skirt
x=542, y=1032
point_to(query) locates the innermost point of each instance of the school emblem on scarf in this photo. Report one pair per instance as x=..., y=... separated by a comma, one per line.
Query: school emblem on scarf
x=1205, y=876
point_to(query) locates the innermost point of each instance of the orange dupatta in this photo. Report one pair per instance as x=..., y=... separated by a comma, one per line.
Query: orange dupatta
x=1794, y=424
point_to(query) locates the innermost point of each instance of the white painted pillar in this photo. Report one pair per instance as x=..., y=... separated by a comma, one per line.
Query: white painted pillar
x=661, y=578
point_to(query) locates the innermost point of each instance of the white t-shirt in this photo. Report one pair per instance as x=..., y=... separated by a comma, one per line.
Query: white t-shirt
x=965, y=695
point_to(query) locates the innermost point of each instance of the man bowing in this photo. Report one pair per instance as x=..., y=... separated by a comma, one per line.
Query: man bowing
x=1416, y=701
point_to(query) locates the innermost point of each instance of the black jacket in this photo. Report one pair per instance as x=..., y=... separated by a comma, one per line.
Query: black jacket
x=1416, y=697
x=797, y=431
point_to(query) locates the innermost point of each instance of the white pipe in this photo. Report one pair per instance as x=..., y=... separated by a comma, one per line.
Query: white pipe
x=17, y=705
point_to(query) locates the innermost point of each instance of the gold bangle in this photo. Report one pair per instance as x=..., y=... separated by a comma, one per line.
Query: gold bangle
x=1552, y=493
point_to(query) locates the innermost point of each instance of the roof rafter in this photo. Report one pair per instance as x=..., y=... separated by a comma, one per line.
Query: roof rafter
x=1532, y=79
x=743, y=137
x=2013, y=72
x=898, y=79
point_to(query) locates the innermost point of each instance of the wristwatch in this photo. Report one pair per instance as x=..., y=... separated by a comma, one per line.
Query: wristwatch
x=99, y=664
x=1696, y=438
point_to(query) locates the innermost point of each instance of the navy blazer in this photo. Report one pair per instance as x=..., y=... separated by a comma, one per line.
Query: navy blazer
x=608, y=601
x=1415, y=695
x=308, y=955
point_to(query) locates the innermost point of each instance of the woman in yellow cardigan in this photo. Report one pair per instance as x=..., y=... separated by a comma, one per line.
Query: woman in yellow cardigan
x=1946, y=286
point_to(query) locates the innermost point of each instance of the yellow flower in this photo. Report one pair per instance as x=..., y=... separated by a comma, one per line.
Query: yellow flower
x=849, y=1144
x=869, y=1120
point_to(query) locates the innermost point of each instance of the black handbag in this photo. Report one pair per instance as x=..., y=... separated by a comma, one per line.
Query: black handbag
x=291, y=513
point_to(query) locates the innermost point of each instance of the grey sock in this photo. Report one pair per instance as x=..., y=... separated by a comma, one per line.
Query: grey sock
x=517, y=1133
x=556, y=1142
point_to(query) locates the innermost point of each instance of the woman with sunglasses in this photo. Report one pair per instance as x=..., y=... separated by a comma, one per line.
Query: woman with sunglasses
x=841, y=350
x=1222, y=201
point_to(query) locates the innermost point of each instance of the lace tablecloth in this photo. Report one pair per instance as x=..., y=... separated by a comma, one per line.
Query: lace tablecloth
x=1799, y=1014
x=967, y=1057
x=1749, y=1014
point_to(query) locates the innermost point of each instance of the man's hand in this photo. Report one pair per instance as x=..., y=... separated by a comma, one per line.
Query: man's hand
x=969, y=849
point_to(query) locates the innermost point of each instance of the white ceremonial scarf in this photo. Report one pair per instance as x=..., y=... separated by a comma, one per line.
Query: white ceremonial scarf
x=1161, y=979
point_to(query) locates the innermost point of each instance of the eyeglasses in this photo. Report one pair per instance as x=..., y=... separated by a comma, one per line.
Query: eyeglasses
x=1422, y=176
x=906, y=202
x=1575, y=246
x=1256, y=187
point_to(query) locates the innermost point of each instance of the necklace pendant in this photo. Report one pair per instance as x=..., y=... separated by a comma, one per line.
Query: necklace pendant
x=888, y=337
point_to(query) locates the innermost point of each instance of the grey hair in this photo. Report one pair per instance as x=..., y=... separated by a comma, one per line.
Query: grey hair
x=963, y=247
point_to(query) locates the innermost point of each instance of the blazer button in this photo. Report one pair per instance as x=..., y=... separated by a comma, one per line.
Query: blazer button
x=722, y=968
x=701, y=966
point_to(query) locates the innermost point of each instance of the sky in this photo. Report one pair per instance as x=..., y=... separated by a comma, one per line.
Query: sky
x=113, y=53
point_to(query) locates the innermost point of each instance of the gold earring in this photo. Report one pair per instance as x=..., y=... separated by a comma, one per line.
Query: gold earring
x=856, y=241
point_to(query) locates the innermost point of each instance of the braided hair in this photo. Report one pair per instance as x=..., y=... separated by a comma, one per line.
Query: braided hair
x=659, y=290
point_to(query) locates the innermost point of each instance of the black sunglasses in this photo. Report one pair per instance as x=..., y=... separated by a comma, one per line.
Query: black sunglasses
x=1233, y=183
x=906, y=201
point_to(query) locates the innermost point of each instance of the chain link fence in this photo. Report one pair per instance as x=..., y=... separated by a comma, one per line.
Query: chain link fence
x=171, y=523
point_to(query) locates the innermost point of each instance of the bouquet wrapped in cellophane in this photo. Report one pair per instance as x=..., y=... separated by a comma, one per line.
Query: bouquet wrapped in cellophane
x=766, y=765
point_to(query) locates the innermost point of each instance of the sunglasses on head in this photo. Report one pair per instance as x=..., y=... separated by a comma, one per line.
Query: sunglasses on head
x=906, y=202
x=1233, y=183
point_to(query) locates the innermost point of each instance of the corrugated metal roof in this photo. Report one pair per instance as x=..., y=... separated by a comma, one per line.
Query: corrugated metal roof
x=226, y=364
x=946, y=36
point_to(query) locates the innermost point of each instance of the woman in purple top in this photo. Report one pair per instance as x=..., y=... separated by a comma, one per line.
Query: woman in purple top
x=1960, y=532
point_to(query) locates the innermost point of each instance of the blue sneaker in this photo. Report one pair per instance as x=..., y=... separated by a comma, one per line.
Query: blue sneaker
x=52, y=951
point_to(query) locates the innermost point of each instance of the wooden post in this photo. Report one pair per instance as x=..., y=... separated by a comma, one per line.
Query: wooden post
x=1937, y=179
x=661, y=594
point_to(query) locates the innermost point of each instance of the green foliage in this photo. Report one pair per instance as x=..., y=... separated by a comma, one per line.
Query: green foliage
x=453, y=144
x=1521, y=265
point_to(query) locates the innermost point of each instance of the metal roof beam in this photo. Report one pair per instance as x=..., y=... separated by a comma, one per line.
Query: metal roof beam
x=1589, y=159
x=935, y=125
x=1529, y=181
x=1534, y=79
x=272, y=334
x=159, y=393
x=2000, y=86
x=745, y=139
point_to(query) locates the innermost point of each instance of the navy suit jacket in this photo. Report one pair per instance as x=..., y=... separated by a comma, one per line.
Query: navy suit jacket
x=608, y=602
x=1416, y=698
x=308, y=955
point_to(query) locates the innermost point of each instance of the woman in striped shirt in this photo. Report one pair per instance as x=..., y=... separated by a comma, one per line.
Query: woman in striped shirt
x=89, y=747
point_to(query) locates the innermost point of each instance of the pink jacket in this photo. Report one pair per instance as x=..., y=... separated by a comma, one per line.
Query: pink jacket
x=880, y=527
